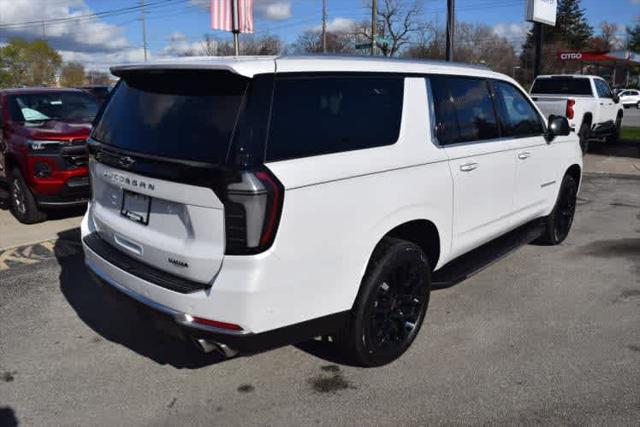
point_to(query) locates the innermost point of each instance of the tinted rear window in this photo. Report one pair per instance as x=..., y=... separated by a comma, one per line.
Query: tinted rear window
x=321, y=115
x=562, y=86
x=188, y=115
x=464, y=109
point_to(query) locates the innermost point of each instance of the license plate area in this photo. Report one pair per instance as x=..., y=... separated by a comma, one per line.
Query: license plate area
x=136, y=207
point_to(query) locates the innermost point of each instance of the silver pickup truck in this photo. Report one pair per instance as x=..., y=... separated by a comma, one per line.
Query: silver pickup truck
x=593, y=110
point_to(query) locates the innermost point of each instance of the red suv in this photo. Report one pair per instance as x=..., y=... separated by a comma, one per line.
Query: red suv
x=43, y=154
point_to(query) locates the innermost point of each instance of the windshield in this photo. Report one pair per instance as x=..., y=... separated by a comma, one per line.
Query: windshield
x=65, y=106
x=187, y=115
x=562, y=86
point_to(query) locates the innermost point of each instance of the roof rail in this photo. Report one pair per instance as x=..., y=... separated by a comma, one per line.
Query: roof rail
x=353, y=57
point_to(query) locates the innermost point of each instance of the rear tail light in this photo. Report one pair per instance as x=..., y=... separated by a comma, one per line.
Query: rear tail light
x=252, y=212
x=570, y=113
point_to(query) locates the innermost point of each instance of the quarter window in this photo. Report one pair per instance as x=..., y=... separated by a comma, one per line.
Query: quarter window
x=517, y=115
x=464, y=109
x=321, y=115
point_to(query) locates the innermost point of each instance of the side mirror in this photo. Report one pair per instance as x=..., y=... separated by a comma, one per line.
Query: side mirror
x=558, y=126
x=616, y=99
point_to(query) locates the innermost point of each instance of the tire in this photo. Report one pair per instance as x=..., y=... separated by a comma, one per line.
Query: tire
x=23, y=205
x=584, y=134
x=558, y=224
x=390, y=307
x=638, y=105
x=616, y=135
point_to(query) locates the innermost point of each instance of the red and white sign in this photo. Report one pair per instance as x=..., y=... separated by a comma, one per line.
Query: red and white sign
x=584, y=56
x=222, y=15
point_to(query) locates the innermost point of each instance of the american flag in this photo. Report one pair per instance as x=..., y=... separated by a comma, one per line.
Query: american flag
x=222, y=15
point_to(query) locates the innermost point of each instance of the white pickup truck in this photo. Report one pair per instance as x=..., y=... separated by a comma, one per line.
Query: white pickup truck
x=593, y=110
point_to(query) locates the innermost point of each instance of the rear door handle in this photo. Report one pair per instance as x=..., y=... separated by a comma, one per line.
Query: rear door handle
x=468, y=167
x=524, y=155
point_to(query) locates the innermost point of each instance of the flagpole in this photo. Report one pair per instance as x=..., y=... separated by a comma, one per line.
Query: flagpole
x=236, y=27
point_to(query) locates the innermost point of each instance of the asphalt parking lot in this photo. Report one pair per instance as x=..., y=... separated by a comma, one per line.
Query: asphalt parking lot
x=547, y=335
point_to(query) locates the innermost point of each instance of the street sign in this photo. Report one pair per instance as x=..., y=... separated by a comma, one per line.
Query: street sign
x=543, y=11
x=383, y=39
x=361, y=46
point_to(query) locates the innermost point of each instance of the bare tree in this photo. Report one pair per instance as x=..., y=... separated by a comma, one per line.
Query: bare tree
x=607, y=39
x=310, y=41
x=72, y=74
x=98, y=78
x=398, y=23
x=249, y=45
x=429, y=43
x=475, y=44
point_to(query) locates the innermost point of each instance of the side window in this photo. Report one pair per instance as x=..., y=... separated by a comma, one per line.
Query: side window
x=517, y=115
x=322, y=115
x=603, y=89
x=464, y=109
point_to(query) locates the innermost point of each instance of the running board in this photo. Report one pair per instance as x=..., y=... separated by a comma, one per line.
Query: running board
x=478, y=259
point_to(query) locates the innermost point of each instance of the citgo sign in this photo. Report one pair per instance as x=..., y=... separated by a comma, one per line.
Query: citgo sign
x=583, y=56
x=565, y=56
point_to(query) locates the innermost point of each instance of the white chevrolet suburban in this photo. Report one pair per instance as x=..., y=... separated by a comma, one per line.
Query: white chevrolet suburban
x=256, y=202
x=593, y=110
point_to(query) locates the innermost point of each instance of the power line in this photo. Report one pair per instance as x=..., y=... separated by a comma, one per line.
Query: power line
x=91, y=16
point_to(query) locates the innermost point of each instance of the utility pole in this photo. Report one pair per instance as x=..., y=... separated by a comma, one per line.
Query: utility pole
x=539, y=36
x=236, y=27
x=374, y=25
x=144, y=29
x=451, y=26
x=324, y=26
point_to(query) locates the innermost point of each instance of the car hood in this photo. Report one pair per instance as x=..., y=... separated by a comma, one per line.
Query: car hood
x=55, y=129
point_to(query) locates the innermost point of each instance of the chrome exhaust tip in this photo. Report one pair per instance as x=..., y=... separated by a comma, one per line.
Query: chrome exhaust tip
x=208, y=346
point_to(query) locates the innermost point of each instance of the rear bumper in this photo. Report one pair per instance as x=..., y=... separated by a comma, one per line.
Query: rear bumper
x=181, y=326
x=240, y=295
x=104, y=272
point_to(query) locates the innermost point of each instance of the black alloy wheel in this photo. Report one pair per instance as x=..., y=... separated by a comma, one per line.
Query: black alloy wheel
x=566, y=211
x=396, y=309
x=390, y=307
x=558, y=224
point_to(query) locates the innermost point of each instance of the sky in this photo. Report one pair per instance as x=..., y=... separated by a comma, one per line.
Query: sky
x=100, y=33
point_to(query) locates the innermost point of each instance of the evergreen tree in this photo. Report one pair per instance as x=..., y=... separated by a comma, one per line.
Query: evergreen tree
x=571, y=27
x=633, y=35
x=571, y=32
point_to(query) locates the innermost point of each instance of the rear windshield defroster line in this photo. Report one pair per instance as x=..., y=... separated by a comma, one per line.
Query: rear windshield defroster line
x=179, y=114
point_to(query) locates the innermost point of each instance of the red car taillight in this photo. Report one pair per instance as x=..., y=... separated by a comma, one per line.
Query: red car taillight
x=570, y=113
x=252, y=212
